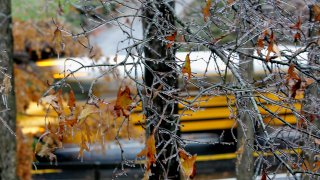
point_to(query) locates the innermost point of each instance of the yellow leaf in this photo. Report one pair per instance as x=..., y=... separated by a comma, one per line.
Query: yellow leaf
x=83, y=146
x=188, y=163
x=149, y=151
x=187, y=68
x=86, y=111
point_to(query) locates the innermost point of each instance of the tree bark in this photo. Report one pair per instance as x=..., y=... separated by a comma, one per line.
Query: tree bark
x=311, y=110
x=160, y=76
x=7, y=110
x=245, y=130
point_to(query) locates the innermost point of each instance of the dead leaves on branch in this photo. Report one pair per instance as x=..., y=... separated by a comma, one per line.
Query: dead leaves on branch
x=187, y=161
x=79, y=122
x=297, y=27
x=272, y=46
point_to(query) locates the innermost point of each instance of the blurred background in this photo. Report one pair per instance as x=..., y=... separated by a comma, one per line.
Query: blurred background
x=37, y=66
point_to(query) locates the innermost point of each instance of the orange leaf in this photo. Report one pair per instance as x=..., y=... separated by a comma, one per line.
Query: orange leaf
x=149, y=151
x=123, y=102
x=291, y=73
x=69, y=122
x=260, y=45
x=305, y=165
x=206, y=10
x=297, y=26
x=264, y=175
x=293, y=80
x=188, y=163
x=316, y=12
x=72, y=101
x=272, y=47
x=297, y=37
x=230, y=2
x=186, y=68
x=316, y=166
x=171, y=39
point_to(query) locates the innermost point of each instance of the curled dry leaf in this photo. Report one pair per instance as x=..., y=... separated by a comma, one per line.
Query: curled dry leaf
x=206, y=10
x=272, y=47
x=123, y=102
x=7, y=85
x=293, y=81
x=188, y=163
x=186, y=69
x=149, y=152
x=86, y=111
x=58, y=42
x=291, y=73
x=171, y=39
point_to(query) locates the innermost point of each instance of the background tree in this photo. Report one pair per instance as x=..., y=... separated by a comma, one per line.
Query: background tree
x=7, y=106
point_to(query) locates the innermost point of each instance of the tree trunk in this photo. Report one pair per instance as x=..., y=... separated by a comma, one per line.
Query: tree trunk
x=160, y=76
x=311, y=110
x=7, y=114
x=245, y=130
